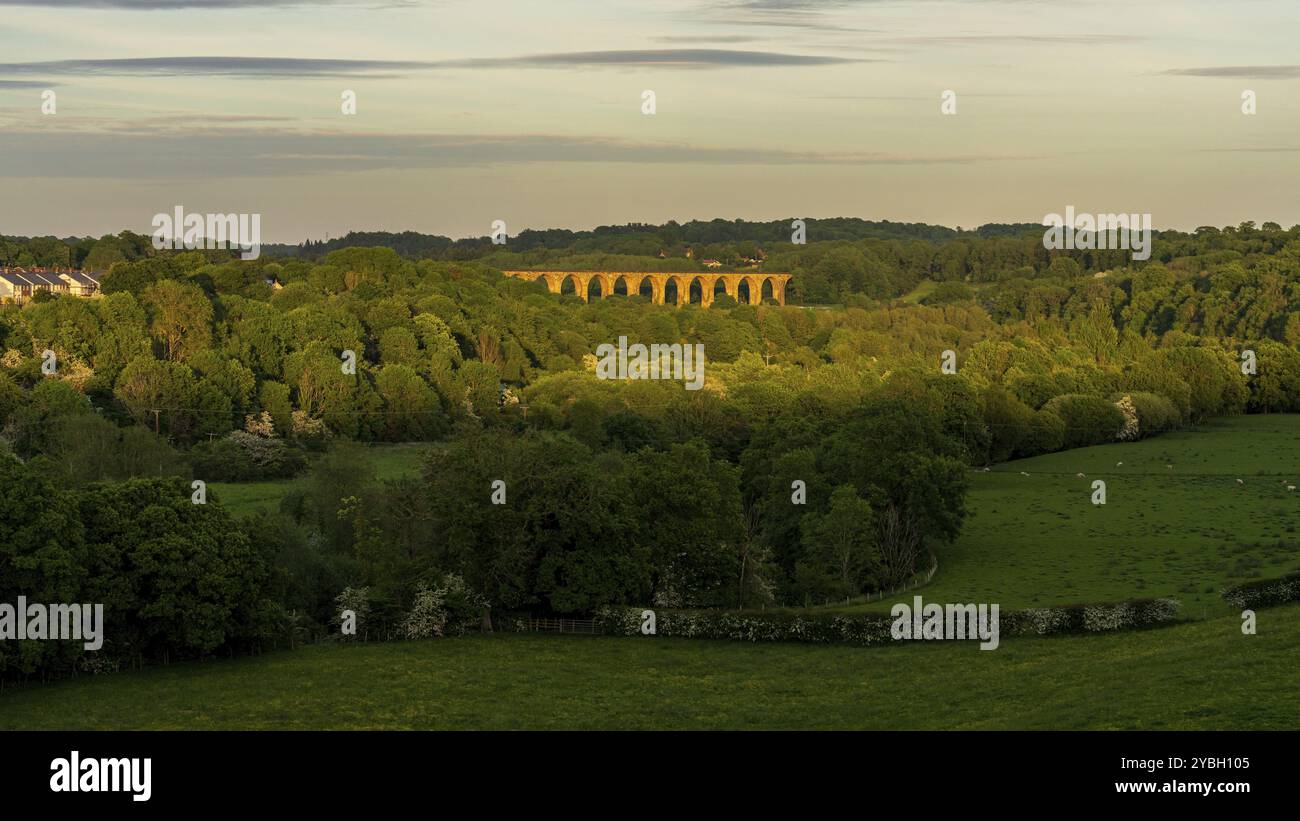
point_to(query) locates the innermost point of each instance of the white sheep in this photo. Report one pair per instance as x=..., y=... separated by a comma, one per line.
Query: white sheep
x=1240, y=482
x=1080, y=475
x=1290, y=487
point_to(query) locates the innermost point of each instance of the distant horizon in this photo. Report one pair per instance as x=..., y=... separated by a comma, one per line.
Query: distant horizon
x=649, y=225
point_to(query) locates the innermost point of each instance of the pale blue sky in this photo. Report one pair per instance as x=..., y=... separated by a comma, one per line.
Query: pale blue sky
x=531, y=112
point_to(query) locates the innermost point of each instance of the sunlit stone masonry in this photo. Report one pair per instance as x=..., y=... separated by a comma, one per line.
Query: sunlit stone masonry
x=673, y=288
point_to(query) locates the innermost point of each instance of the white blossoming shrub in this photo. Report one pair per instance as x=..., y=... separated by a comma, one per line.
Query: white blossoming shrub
x=95, y=664
x=260, y=425
x=619, y=621
x=427, y=616
x=356, y=599
x=874, y=628
x=667, y=596
x=1041, y=621
x=1102, y=617
x=309, y=430
x=1265, y=592
x=464, y=607
x=1130, y=430
x=746, y=626
x=1089, y=618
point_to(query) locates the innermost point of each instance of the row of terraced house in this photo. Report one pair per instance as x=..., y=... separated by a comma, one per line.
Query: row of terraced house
x=21, y=284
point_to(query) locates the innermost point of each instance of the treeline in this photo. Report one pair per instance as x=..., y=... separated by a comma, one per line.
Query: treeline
x=246, y=379
x=199, y=351
x=85, y=253
x=641, y=239
x=503, y=519
x=844, y=261
x=176, y=580
x=824, y=457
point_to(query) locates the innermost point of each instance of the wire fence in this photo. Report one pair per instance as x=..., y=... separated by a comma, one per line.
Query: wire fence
x=918, y=580
x=584, y=627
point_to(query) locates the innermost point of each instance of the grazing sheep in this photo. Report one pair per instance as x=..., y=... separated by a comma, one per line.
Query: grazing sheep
x=1240, y=482
x=1080, y=475
x=1290, y=487
x=1022, y=473
x=1117, y=464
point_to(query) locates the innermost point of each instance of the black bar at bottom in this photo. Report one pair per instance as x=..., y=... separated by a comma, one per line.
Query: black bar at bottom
x=495, y=771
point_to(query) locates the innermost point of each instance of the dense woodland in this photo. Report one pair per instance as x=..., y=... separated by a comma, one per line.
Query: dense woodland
x=618, y=492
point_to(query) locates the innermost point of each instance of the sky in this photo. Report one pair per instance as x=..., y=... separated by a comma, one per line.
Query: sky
x=532, y=112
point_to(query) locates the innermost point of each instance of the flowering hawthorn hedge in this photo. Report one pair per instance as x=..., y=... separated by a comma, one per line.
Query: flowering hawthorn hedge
x=1090, y=618
x=1265, y=592
x=870, y=628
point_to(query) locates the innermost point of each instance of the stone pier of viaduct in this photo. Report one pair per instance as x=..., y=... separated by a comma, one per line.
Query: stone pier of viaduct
x=756, y=286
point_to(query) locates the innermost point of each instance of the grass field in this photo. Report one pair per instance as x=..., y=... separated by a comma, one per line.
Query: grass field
x=242, y=498
x=927, y=286
x=922, y=290
x=1199, y=675
x=1175, y=523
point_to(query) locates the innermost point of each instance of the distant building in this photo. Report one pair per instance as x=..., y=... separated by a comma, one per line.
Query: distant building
x=711, y=263
x=21, y=284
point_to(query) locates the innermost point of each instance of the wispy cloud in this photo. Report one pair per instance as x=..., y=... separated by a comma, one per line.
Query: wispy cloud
x=1279, y=149
x=207, y=5
x=1252, y=72
x=801, y=14
x=814, y=23
x=666, y=58
x=146, y=153
x=700, y=58
x=214, y=66
x=917, y=97
x=706, y=38
x=1018, y=39
x=789, y=5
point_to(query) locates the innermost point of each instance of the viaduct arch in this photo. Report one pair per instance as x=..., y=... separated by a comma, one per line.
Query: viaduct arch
x=756, y=284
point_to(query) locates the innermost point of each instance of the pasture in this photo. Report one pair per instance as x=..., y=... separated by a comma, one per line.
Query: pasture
x=1200, y=675
x=1176, y=523
x=1186, y=514
x=243, y=498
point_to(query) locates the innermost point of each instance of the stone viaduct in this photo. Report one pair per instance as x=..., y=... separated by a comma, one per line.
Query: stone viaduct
x=757, y=286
